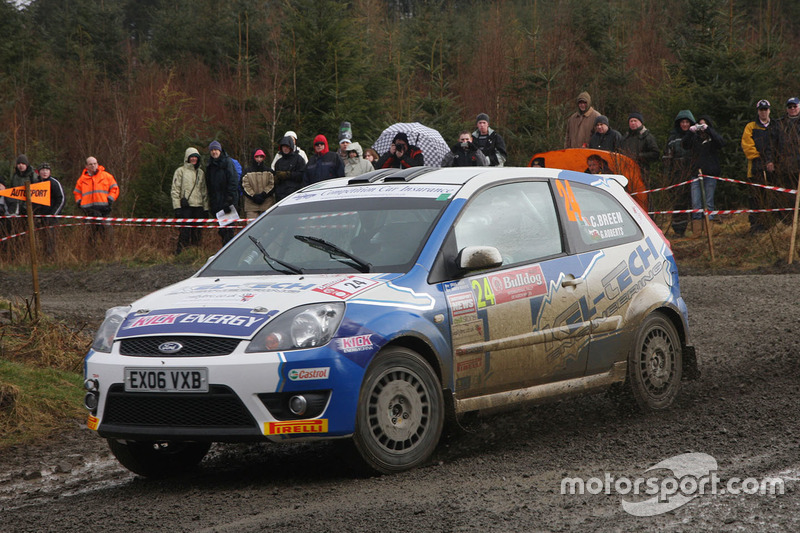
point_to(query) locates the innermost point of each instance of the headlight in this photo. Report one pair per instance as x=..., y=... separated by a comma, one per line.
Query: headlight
x=104, y=338
x=303, y=327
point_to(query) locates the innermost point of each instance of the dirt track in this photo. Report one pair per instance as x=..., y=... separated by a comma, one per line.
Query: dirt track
x=502, y=474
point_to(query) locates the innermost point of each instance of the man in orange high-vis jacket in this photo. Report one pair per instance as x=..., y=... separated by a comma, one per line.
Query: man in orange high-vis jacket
x=96, y=191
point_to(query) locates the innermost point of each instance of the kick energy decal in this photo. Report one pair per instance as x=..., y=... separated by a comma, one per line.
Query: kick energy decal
x=208, y=321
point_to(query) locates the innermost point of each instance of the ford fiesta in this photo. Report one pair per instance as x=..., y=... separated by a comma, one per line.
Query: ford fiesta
x=372, y=308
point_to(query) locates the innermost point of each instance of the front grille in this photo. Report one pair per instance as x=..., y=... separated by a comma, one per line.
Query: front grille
x=192, y=346
x=220, y=407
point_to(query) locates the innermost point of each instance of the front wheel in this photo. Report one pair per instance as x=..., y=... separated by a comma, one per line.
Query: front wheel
x=400, y=412
x=158, y=459
x=655, y=365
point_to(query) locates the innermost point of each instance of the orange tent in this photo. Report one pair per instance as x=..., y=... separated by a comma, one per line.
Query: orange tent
x=575, y=159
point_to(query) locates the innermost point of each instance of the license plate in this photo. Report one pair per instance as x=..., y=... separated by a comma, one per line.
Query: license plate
x=166, y=380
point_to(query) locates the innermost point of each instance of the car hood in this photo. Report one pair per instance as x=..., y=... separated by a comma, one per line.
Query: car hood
x=238, y=306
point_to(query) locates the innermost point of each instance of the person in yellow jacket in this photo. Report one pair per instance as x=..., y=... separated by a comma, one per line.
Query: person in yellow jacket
x=95, y=192
x=761, y=142
x=189, y=197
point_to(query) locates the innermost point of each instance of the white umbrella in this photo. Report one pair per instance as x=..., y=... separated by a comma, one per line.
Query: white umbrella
x=430, y=141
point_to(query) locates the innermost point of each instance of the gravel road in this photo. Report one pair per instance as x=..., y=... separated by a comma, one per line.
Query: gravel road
x=500, y=473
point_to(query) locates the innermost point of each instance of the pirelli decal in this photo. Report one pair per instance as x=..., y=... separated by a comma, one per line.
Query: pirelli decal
x=93, y=422
x=296, y=427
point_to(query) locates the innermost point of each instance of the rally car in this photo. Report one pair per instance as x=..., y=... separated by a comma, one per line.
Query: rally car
x=372, y=308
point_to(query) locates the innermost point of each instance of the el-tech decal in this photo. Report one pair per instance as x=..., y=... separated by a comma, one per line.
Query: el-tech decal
x=347, y=287
x=207, y=320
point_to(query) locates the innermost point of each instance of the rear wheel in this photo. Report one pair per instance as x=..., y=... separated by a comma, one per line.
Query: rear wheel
x=655, y=365
x=158, y=459
x=400, y=412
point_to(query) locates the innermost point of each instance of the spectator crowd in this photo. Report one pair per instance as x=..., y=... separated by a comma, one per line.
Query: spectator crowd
x=223, y=188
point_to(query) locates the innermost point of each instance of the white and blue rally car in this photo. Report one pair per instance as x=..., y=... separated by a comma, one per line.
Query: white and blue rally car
x=372, y=308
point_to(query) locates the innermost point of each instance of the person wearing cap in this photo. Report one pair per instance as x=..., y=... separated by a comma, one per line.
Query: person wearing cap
x=56, y=205
x=299, y=151
x=761, y=144
x=189, y=197
x=604, y=138
x=344, y=147
x=789, y=160
x=324, y=164
x=222, y=182
x=581, y=123
x=401, y=154
x=489, y=141
x=95, y=192
x=639, y=143
x=258, y=183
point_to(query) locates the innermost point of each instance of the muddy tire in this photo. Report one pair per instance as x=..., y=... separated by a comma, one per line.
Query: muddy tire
x=158, y=459
x=400, y=412
x=655, y=364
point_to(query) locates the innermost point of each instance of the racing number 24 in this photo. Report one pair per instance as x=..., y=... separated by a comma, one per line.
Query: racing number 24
x=483, y=292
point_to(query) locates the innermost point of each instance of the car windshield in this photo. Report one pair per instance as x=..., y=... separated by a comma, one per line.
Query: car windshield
x=364, y=234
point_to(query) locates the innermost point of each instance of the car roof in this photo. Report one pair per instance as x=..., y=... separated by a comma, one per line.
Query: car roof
x=458, y=176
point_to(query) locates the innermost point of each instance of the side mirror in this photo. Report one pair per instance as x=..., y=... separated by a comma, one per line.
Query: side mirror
x=479, y=258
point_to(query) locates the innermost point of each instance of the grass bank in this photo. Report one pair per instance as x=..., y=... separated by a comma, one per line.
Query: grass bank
x=40, y=375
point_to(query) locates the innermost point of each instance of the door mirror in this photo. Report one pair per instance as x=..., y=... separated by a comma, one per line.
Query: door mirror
x=479, y=258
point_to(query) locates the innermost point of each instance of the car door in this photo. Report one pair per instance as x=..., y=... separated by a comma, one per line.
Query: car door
x=520, y=324
x=621, y=265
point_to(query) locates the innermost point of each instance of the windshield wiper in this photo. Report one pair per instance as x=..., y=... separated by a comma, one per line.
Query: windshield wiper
x=292, y=269
x=333, y=250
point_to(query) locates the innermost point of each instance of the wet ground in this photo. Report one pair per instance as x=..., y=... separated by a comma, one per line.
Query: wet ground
x=502, y=473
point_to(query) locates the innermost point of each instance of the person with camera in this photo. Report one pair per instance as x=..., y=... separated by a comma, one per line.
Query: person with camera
x=705, y=144
x=401, y=154
x=464, y=153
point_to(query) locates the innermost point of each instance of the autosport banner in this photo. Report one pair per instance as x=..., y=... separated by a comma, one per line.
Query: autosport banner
x=40, y=193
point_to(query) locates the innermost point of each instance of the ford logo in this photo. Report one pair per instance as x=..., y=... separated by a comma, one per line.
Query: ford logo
x=170, y=347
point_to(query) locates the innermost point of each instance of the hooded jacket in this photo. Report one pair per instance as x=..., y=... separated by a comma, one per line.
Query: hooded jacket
x=96, y=192
x=580, y=125
x=288, y=170
x=258, y=184
x=222, y=182
x=355, y=166
x=412, y=157
x=323, y=165
x=296, y=149
x=16, y=207
x=705, y=146
x=189, y=181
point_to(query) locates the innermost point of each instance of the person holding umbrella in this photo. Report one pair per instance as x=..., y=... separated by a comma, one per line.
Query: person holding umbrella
x=401, y=154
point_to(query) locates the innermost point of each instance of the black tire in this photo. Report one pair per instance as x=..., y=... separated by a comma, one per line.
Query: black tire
x=655, y=364
x=400, y=412
x=158, y=459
